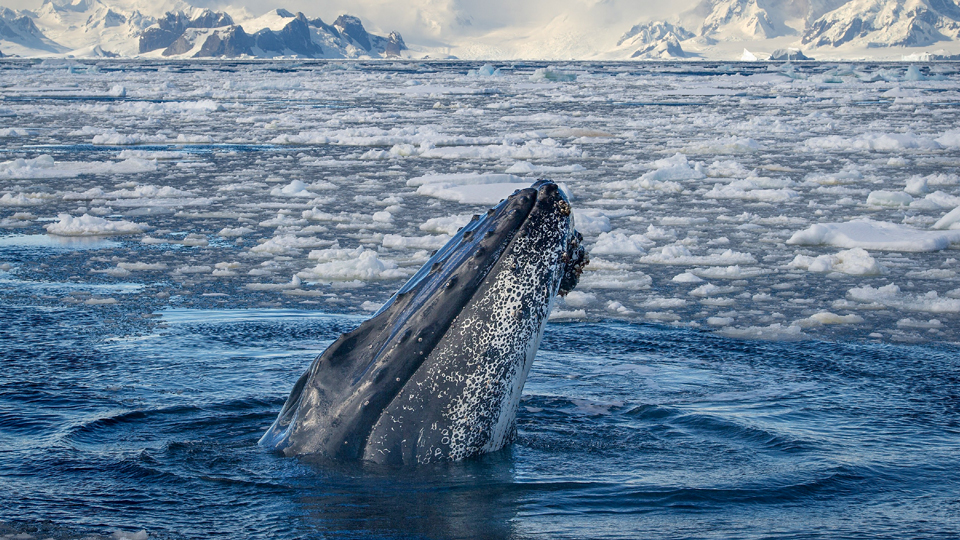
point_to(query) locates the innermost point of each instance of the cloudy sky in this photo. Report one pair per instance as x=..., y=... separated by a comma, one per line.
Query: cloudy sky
x=440, y=22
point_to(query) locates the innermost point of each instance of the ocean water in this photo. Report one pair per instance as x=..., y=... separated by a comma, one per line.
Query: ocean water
x=178, y=240
x=625, y=431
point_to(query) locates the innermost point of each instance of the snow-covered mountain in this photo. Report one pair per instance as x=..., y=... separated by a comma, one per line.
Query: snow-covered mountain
x=656, y=40
x=277, y=33
x=19, y=32
x=830, y=28
x=710, y=29
x=89, y=28
x=907, y=23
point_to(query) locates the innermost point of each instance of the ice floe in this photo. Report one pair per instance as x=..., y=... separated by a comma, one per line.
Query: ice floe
x=855, y=262
x=892, y=297
x=762, y=204
x=874, y=235
x=45, y=166
x=349, y=265
x=87, y=225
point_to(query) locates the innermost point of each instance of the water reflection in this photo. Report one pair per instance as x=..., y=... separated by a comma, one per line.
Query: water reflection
x=472, y=499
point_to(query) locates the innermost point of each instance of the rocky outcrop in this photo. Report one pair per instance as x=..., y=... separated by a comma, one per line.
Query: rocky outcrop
x=172, y=26
x=295, y=37
x=394, y=45
x=351, y=27
x=229, y=43
x=214, y=34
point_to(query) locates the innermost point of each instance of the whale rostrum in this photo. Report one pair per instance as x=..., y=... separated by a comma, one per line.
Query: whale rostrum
x=437, y=373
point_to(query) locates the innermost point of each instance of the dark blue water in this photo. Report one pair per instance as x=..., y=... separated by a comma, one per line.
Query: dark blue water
x=118, y=419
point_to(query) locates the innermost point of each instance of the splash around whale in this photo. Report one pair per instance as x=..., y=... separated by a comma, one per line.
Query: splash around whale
x=437, y=373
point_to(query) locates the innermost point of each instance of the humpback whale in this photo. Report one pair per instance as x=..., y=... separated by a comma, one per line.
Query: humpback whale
x=436, y=374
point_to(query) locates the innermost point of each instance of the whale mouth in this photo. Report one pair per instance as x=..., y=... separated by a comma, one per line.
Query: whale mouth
x=361, y=373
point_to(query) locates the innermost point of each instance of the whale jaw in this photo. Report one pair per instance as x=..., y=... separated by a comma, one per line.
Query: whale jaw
x=437, y=373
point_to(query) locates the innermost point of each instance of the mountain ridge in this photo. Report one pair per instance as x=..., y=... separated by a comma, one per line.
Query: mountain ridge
x=712, y=29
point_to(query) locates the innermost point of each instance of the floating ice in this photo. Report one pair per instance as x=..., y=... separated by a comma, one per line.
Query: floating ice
x=590, y=222
x=619, y=243
x=447, y=224
x=13, y=132
x=709, y=289
x=749, y=190
x=681, y=255
x=465, y=179
x=776, y=331
x=728, y=272
x=936, y=200
x=675, y=167
x=193, y=269
x=524, y=167
x=550, y=74
x=395, y=241
x=147, y=191
x=45, y=166
x=950, y=138
x=296, y=188
x=87, y=225
x=543, y=149
x=878, y=142
x=686, y=277
x=907, y=322
x=482, y=194
x=349, y=265
x=874, y=235
x=889, y=198
x=485, y=70
x=234, y=232
x=826, y=317
x=289, y=244
x=949, y=221
x=725, y=145
x=615, y=280
x=891, y=296
x=916, y=186
x=470, y=188
x=23, y=199
x=225, y=269
x=641, y=181
x=657, y=302
x=856, y=262
x=579, y=299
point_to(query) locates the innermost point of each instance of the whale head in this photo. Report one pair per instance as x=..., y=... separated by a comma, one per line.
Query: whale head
x=437, y=373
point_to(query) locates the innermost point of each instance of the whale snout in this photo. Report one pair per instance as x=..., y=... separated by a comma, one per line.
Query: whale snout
x=437, y=373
